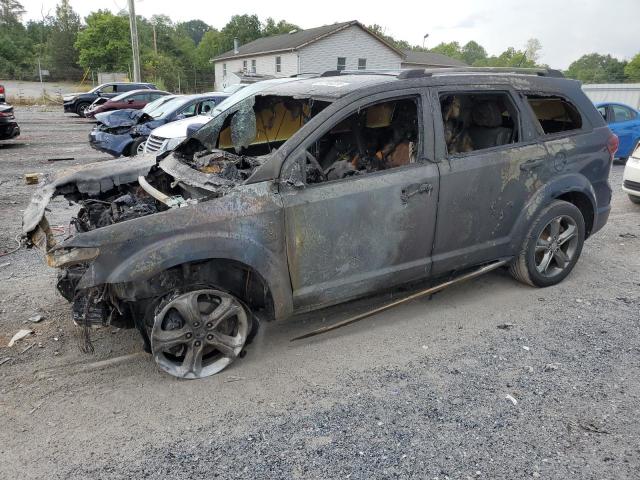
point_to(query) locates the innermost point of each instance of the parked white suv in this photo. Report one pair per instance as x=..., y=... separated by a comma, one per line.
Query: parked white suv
x=169, y=136
x=631, y=176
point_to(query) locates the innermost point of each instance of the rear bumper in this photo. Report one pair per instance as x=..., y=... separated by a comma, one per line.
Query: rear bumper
x=9, y=130
x=115, y=145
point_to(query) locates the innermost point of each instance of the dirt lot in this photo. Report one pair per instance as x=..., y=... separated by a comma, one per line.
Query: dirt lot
x=417, y=392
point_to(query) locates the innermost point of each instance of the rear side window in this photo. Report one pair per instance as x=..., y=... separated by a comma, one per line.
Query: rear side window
x=555, y=114
x=477, y=121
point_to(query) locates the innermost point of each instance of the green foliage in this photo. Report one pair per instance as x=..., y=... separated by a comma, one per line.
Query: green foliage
x=272, y=28
x=245, y=28
x=380, y=31
x=596, y=68
x=632, y=69
x=451, y=49
x=104, y=44
x=61, y=51
x=194, y=29
x=472, y=52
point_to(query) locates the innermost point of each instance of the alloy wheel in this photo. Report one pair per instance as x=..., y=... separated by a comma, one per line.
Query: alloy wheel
x=199, y=333
x=556, y=246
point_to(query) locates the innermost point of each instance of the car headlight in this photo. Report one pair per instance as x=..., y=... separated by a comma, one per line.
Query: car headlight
x=173, y=143
x=64, y=258
x=68, y=99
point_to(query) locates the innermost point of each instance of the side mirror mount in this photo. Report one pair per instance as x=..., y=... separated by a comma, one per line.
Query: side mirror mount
x=130, y=100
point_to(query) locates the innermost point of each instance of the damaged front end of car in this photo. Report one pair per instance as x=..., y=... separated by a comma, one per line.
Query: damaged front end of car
x=149, y=229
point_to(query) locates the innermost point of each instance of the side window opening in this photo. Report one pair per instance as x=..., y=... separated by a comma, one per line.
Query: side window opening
x=379, y=137
x=555, y=114
x=622, y=114
x=476, y=121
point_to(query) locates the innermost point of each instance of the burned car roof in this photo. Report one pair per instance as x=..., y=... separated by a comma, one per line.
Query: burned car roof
x=328, y=88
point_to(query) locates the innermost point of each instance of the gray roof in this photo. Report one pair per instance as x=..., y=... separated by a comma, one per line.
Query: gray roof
x=293, y=41
x=431, y=59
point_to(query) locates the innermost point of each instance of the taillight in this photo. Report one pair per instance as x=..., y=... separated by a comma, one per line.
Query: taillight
x=6, y=114
x=1, y=88
x=612, y=145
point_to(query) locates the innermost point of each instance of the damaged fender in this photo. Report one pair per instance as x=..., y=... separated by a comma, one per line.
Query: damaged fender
x=244, y=226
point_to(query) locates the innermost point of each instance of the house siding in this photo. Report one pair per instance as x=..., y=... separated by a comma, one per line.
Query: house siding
x=265, y=65
x=352, y=43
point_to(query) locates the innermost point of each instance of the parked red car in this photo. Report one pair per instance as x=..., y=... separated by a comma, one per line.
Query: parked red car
x=135, y=100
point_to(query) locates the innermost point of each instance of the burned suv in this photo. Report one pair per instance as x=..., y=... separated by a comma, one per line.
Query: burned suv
x=321, y=190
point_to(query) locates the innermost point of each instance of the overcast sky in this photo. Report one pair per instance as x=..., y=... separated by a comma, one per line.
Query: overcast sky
x=567, y=29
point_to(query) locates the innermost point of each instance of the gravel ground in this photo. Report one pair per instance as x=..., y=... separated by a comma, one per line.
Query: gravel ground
x=416, y=392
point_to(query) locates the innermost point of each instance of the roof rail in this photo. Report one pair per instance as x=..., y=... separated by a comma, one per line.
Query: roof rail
x=541, y=72
x=428, y=72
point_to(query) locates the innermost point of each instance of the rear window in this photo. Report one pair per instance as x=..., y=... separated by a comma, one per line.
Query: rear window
x=555, y=114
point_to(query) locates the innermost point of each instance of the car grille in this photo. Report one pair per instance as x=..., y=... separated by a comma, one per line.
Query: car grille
x=632, y=185
x=154, y=144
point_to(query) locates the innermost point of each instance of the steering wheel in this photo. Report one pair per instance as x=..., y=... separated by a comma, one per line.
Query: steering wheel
x=315, y=164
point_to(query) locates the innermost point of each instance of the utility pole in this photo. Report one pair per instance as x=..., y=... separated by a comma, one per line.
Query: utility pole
x=155, y=40
x=134, y=41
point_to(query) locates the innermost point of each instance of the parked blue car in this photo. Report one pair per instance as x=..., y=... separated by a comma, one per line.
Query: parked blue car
x=624, y=121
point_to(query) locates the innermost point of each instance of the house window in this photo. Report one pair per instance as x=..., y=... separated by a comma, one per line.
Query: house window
x=362, y=64
x=244, y=66
x=278, y=64
x=342, y=63
x=224, y=69
x=253, y=66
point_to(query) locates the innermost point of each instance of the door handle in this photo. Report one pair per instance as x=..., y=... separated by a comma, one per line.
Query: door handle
x=415, y=189
x=531, y=164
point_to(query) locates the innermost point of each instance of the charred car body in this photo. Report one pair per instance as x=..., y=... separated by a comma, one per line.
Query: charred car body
x=322, y=190
x=125, y=140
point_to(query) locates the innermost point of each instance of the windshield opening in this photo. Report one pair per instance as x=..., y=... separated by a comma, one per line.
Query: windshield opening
x=151, y=106
x=258, y=124
x=169, y=107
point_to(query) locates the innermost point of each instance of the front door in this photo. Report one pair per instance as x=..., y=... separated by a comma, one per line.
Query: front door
x=362, y=218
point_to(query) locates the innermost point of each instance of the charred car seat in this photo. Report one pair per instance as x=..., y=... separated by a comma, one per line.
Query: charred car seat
x=487, y=130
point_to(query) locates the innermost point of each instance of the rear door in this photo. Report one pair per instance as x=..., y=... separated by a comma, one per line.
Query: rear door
x=356, y=233
x=490, y=162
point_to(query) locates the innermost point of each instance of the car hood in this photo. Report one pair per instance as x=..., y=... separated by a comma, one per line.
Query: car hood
x=179, y=128
x=119, y=118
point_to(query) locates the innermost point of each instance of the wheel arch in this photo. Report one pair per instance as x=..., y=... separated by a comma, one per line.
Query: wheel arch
x=222, y=258
x=573, y=188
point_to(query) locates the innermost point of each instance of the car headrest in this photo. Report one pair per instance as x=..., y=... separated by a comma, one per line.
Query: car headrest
x=487, y=114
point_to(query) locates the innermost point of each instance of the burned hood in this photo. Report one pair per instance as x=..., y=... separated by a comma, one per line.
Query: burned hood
x=88, y=179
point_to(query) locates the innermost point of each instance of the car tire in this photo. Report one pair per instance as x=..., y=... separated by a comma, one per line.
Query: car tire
x=552, y=246
x=634, y=199
x=80, y=108
x=133, y=148
x=189, y=342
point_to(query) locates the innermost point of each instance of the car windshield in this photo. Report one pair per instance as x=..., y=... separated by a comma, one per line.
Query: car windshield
x=257, y=124
x=169, y=107
x=151, y=106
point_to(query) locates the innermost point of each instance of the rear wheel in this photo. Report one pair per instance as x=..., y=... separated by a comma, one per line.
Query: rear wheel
x=81, y=107
x=198, y=333
x=552, y=246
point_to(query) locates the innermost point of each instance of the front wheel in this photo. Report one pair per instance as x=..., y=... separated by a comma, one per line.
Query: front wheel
x=137, y=146
x=199, y=333
x=81, y=108
x=552, y=246
x=634, y=199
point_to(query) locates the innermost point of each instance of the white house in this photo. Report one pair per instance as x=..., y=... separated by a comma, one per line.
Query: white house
x=341, y=46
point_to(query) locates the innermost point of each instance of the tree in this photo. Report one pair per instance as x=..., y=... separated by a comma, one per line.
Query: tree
x=632, y=69
x=61, y=49
x=400, y=44
x=245, y=28
x=596, y=68
x=451, y=50
x=272, y=28
x=473, y=52
x=11, y=12
x=105, y=43
x=532, y=49
x=194, y=29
